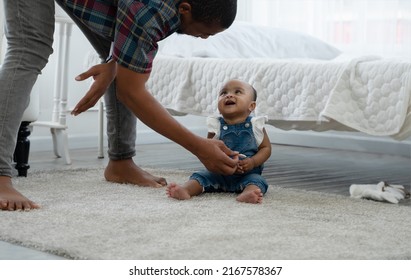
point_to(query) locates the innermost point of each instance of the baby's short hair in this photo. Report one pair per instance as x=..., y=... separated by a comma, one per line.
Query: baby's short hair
x=254, y=93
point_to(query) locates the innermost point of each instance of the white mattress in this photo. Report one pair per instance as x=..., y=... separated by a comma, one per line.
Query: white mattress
x=367, y=94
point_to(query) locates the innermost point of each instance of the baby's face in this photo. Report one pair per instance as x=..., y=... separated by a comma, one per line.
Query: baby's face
x=236, y=99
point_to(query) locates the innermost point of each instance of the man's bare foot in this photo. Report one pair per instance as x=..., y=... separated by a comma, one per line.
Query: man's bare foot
x=251, y=194
x=11, y=199
x=127, y=172
x=175, y=191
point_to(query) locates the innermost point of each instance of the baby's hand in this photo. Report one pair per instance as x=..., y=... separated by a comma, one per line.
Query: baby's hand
x=239, y=169
x=246, y=165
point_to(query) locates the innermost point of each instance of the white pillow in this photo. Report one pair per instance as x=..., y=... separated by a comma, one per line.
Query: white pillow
x=246, y=40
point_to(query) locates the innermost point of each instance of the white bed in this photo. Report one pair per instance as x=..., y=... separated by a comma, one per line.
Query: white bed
x=302, y=83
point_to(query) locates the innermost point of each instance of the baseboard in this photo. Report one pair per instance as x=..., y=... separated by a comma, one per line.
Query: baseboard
x=330, y=140
x=343, y=141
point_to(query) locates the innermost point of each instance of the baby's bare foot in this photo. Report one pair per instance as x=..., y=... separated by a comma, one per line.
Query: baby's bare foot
x=177, y=192
x=251, y=196
x=127, y=172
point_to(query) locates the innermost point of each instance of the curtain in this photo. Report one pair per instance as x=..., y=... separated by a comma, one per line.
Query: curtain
x=358, y=27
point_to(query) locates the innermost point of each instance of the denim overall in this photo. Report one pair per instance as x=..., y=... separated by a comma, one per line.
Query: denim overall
x=237, y=137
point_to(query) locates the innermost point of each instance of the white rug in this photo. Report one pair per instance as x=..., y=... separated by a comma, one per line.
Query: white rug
x=85, y=217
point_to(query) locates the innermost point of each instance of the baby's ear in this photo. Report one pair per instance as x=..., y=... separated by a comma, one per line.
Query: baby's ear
x=252, y=106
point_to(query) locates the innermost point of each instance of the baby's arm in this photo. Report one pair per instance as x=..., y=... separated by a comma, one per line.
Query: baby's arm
x=263, y=154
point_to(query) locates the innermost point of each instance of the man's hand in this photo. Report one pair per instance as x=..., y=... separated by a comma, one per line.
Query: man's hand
x=103, y=75
x=217, y=158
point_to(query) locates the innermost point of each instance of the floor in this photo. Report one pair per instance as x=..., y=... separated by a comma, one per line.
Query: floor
x=325, y=170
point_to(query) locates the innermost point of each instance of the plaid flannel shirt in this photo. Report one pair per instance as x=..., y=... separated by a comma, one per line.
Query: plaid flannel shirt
x=134, y=26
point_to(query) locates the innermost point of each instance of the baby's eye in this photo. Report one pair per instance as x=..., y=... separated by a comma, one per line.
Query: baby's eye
x=223, y=93
x=238, y=91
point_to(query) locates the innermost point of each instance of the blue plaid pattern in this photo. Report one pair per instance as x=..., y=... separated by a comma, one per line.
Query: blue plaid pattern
x=135, y=27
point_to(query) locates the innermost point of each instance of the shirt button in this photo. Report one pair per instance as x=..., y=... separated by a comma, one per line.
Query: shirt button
x=225, y=127
x=247, y=125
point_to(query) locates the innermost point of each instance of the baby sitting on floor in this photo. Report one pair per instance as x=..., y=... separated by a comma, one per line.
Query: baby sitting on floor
x=240, y=132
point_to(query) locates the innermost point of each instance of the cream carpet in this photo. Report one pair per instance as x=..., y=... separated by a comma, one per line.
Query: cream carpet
x=85, y=217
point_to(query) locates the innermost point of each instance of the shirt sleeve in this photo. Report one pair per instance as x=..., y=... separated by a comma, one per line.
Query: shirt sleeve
x=133, y=47
x=139, y=26
x=213, y=126
x=258, y=126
